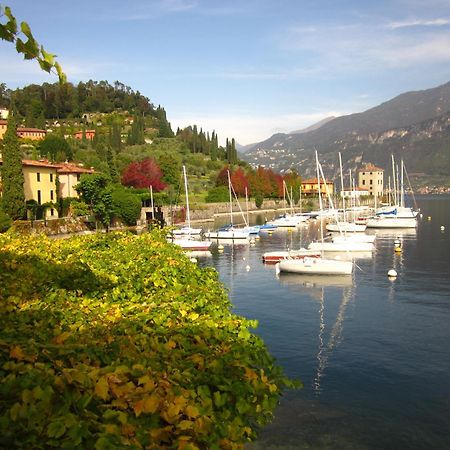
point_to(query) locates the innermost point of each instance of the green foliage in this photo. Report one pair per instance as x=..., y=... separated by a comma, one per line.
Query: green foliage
x=5, y=221
x=259, y=199
x=218, y=194
x=26, y=43
x=79, y=208
x=119, y=341
x=126, y=206
x=96, y=191
x=12, y=175
x=56, y=148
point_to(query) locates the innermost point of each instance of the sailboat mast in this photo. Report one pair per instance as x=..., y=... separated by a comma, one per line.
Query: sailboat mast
x=246, y=204
x=393, y=180
x=320, y=199
x=231, y=199
x=188, y=214
x=402, y=190
x=342, y=187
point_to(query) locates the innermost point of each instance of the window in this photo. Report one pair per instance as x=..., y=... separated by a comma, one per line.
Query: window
x=51, y=195
x=51, y=178
x=52, y=212
x=364, y=181
x=78, y=177
x=371, y=181
x=38, y=176
x=39, y=197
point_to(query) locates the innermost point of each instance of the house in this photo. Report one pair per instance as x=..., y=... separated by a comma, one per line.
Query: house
x=90, y=134
x=40, y=183
x=69, y=175
x=370, y=177
x=4, y=113
x=354, y=193
x=34, y=134
x=312, y=187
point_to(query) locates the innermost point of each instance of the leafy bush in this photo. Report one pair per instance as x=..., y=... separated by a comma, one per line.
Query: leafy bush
x=259, y=199
x=5, y=221
x=126, y=206
x=218, y=194
x=79, y=208
x=119, y=341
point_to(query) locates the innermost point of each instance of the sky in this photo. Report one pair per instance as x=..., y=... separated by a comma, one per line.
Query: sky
x=244, y=68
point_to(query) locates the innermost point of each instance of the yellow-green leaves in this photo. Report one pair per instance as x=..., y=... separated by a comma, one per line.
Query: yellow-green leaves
x=29, y=47
x=115, y=341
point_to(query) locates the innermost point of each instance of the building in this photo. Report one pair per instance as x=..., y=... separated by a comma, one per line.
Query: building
x=371, y=177
x=354, y=193
x=311, y=186
x=40, y=183
x=90, y=134
x=34, y=134
x=69, y=176
x=4, y=113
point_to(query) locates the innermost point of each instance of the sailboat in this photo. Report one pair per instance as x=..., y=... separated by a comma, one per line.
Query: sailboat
x=344, y=226
x=229, y=232
x=319, y=265
x=187, y=237
x=187, y=230
x=344, y=245
x=396, y=215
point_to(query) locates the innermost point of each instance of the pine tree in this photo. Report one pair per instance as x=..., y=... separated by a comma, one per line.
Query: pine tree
x=12, y=175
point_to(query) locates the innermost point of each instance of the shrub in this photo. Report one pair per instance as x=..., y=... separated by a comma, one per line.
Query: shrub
x=119, y=341
x=126, y=206
x=259, y=199
x=218, y=194
x=5, y=221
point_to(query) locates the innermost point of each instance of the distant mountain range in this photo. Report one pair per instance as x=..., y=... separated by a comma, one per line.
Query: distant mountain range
x=414, y=126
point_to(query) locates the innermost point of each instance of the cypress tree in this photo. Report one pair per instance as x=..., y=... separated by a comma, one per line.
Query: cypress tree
x=12, y=175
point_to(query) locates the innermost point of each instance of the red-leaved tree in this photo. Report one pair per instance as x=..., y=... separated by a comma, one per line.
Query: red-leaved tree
x=239, y=182
x=143, y=174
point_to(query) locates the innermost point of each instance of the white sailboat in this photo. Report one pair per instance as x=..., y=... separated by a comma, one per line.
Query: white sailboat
x=319, y=265
x=188, y=238
x=229, y=232
x=396, y=215
x=187, y=230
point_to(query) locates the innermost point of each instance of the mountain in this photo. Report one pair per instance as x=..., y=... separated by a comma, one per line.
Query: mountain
x=314, y=126
x=414, y=126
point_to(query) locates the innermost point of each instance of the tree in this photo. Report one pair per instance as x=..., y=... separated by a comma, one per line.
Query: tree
x=30, y=48
x=127, y=206
x=170, y=168
x=144, y=174
x=222, y=177
x=95, y=191
x=56, y=148
x=12, y=174
x=239, y=182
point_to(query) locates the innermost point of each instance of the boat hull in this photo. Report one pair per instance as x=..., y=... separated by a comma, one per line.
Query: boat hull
x=316, y=266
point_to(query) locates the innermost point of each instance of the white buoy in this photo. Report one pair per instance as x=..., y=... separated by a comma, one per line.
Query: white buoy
x=392, y=273
x=220, y=247
x=247, y=267
x=442, y=228
x=429, y=217
x=243, y=259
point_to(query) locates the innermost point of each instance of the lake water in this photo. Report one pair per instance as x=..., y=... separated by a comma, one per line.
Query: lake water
x=373, y=354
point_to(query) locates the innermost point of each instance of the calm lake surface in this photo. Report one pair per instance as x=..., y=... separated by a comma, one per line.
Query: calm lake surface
x=373, y=354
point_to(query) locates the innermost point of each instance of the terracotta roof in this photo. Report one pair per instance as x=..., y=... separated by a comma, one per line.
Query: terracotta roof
x=314, y=181
x=40, y=163
x=370, y=168
x=3, y=122
x=73, y=168
x=30, y=130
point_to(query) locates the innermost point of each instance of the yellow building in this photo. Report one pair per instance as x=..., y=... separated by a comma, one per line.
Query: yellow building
x=69, y=176
x=311, y=186
x=35, y=134
x=370, y=177
x=3, y=125
x=40, y=183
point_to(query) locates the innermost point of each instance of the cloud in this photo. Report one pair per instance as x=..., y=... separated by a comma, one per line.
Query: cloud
x=246, y=128
x=418, y=23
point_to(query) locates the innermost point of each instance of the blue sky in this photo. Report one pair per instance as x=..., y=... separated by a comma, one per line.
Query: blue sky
x=248, y=68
